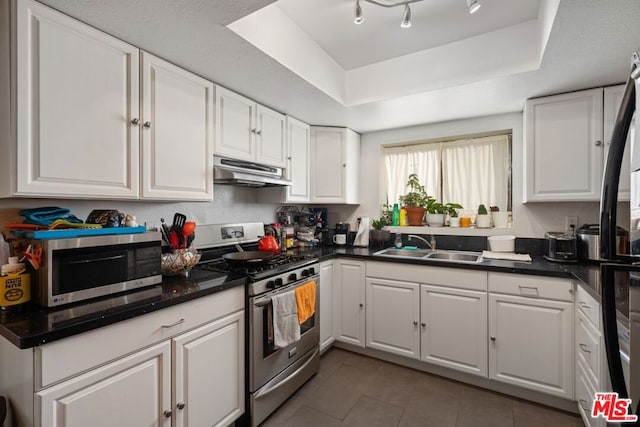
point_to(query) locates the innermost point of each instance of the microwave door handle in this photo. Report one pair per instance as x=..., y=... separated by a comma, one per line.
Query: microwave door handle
x=612, y=347
x=107, y=258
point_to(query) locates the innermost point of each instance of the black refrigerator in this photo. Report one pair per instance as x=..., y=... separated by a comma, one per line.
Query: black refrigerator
x=620, y=275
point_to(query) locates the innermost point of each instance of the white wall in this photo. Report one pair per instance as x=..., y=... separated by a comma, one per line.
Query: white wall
x=530, y=220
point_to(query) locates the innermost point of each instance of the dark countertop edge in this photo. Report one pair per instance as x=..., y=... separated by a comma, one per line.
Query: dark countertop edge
x=30, y=341
x=539, y=267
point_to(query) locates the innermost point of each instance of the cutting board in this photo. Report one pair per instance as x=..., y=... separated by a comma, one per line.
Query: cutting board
x=79, y=232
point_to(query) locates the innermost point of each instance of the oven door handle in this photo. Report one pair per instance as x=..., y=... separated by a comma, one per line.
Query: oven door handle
x=263, y=303
x=269, y=388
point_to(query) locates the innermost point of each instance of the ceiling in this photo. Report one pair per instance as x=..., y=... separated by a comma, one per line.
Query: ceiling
x=451, y=67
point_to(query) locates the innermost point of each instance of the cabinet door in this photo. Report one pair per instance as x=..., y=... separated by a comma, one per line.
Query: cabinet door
x=531, y=343
x=393, y=310
x=454, y=328
x=349, y=314
x=133, y=391
x=564, y=147
x=328, y=165
x=77, y=93
x=235, y=125
x=177, y=133
x=612, y=101
x=326, y=305
x=298, y=165
x=209, y=373
x=271, y=137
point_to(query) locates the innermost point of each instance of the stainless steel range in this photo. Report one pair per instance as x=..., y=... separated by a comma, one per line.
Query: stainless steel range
x=273, y=374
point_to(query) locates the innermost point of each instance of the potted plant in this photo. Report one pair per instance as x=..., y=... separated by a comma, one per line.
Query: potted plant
x=436, y=212
x=415, y=201
x=483, y=219
x=379, y=235
x=452, y=210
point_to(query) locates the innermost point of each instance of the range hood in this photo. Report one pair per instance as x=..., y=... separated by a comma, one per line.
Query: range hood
x=247, y=174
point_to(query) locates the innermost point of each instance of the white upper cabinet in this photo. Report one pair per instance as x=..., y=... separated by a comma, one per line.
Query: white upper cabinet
x=563, y=147
x=566, y=142
x=335, y=158
x=298, y=161
x=612, y=100
x=177, y=132
x=248, y=131
x=77, y=93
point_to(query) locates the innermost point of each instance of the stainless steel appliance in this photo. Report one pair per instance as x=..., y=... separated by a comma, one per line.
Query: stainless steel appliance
x=589, y=242
x=620, y=274
x=247, y=174
x=273, y=374
x=80, y=268
x=560, y=246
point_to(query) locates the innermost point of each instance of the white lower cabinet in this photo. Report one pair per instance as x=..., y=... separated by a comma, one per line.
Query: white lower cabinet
x=531, y=343
x=454, y=328
x=133, y=391
x=349, y=311
x=392, y=314
x=326, y=305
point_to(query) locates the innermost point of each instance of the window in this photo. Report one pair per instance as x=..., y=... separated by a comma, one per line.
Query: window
x=469, y=171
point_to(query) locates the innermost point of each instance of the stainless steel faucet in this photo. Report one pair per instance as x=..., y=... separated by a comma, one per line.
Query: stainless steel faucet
x=431, y=243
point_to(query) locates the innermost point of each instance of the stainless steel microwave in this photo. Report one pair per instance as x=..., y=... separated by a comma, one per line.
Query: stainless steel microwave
x=80, y=268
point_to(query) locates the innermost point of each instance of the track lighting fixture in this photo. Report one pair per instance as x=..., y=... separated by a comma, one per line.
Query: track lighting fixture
x=473, y=6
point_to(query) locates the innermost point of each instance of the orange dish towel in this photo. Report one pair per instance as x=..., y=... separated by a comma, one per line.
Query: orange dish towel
x=306, y=301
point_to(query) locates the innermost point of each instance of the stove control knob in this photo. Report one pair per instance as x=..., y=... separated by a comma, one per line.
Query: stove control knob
x=293, y=277
x=312, y=271
x=305, y=273
x=271, y=284
x=278, y=282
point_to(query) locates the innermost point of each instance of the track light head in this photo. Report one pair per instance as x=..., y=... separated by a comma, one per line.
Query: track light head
x=406, y=17
x=359, y=19
x=473, y=5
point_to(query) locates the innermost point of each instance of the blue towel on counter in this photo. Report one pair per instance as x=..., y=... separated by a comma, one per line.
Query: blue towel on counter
x=46, y=215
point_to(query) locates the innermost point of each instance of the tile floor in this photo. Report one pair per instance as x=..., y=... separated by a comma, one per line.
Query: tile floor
x=355, y=390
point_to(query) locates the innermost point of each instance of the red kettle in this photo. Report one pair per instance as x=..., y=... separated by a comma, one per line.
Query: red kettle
x=268, y=243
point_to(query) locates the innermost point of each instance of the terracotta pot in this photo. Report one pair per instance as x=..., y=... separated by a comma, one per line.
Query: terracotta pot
x=415, y=215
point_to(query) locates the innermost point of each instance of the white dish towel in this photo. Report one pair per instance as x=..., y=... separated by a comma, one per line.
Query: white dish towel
x=286, y=329
x=506, y=255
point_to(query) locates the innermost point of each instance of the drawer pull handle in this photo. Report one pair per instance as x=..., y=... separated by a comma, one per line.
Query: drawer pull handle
x=524, y=289
x=173, y=324
x=584, y=348
x=584, y=305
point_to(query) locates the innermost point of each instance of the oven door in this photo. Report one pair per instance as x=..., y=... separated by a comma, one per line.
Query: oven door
x=265, y=360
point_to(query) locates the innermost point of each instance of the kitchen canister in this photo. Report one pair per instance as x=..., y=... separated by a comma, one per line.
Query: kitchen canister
x=15, y=285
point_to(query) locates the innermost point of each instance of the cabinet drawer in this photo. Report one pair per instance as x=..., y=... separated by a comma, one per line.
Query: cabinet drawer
x=443, y=276
x=585, y=393
x=588, y=349
x=67, y=357
x=531, y=286
x=587, y=305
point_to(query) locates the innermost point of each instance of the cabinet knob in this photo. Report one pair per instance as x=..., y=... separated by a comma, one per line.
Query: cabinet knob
x=259, y=132
x=361, y=305
x=289, y=158
x=415, y=323
x=598, y=143
x=493, y=338
x=344, y=165
x=147, y=125
x=424, y=325
x=135, y=121
x=181, y=405
x=253, y=131
x=167, y=413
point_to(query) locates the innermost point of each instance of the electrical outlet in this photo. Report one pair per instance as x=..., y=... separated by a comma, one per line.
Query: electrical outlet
x=570, y=222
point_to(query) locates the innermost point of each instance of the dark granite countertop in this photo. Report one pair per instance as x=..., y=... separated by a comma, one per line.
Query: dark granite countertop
x=34, y=325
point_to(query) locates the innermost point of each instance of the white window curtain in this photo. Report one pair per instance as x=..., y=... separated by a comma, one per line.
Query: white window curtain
x=476, y=171
x=422, y=159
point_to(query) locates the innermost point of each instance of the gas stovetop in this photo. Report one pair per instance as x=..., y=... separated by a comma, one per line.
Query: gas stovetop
x=279, y=264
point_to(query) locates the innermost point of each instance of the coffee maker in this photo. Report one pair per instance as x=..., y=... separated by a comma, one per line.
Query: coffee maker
x=341, y=236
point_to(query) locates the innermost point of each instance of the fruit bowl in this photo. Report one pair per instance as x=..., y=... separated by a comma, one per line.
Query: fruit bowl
x=179, y=261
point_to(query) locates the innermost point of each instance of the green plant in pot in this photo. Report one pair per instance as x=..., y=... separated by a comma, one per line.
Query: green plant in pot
x=415, y=201
x=378, y=235
x=483, y=219
x=436, y=212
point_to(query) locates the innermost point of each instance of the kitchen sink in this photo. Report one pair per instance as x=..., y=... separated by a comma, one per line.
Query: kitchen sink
x=454, y=256
x=428, y=255
x=402, y=253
